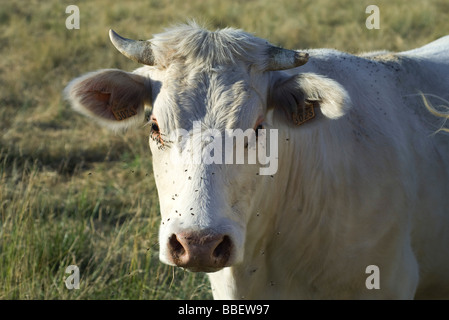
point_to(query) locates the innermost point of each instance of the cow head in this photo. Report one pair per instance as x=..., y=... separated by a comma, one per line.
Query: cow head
x=206, y=90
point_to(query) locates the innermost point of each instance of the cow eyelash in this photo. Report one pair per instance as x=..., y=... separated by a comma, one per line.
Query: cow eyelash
x=259, y=126
x=155, y=133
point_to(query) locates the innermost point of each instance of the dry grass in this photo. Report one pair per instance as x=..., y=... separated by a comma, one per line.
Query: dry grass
x=73, y=193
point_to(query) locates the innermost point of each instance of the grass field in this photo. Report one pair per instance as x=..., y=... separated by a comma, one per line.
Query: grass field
x=72, y=193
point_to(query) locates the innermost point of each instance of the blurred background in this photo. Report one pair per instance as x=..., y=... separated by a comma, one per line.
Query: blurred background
x=72, y=193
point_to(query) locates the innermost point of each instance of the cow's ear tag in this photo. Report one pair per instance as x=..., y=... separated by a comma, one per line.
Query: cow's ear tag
x=123, y=112
x=303, y=113
x=120, y=112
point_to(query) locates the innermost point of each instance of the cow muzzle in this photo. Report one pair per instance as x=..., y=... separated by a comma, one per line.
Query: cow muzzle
x=200, y=251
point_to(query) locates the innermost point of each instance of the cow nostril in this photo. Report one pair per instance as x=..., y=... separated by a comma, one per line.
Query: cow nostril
x=176, y=248
x=223, y=249
x=200, y=251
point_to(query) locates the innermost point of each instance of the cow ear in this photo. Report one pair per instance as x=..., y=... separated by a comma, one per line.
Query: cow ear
x=305, y=95
x=112, y=97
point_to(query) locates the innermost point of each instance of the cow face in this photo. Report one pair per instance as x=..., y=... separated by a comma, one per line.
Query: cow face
x=203, y=131
x=210, y=132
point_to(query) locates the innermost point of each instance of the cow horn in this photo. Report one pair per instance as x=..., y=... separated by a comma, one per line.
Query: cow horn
x=136, y=50
x=282, y=59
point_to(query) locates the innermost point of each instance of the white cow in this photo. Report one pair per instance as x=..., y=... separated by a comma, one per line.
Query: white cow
x=358, y=207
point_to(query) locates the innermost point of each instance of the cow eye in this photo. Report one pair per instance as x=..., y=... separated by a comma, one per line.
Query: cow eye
x=155, y=133
x=259, y=127
x=154, y=127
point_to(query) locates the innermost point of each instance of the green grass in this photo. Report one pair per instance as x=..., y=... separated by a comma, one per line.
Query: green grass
x=72, y=193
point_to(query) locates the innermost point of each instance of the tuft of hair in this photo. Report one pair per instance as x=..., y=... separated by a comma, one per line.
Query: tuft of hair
x=197, y=45
x=441, y=111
